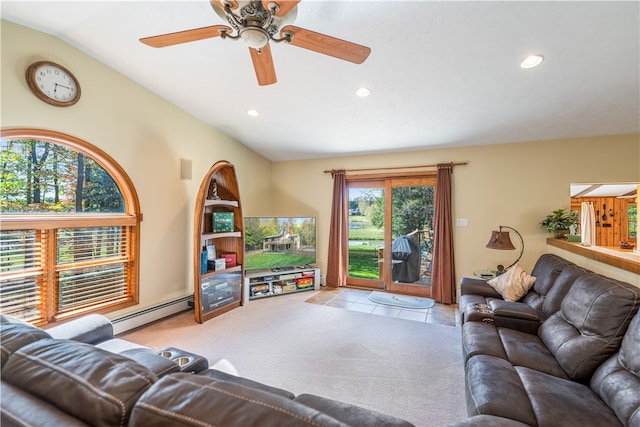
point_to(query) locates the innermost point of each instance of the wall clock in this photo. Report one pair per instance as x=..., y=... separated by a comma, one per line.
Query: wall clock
x=53, y=83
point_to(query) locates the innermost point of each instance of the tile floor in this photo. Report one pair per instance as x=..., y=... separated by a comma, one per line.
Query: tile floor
x=358, y=300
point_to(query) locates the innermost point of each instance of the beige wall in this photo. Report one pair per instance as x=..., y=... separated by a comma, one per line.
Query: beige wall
x=147, y=136
x=507, y=184
x=512, y=184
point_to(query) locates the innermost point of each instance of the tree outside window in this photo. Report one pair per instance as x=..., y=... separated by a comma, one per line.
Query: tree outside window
x=43, y=177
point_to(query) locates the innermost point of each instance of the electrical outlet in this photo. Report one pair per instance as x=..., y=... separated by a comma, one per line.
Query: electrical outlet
x=462, y=222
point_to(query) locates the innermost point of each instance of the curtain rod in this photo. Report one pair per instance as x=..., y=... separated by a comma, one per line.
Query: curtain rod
x=397, y=167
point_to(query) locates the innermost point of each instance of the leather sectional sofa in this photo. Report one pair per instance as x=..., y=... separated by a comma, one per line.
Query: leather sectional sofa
x=570, y=356
x=78, y=374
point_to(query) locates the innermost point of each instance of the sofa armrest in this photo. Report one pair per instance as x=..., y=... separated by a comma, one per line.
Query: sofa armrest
x=473, y=286
x=245, y=382
x=350, y=414
x=91, y=329
x=487, y=420
x=514, y=310
x=159, y=365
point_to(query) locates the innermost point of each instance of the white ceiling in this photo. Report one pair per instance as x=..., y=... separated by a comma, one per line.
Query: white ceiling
x=441, y=74
x=604, y=190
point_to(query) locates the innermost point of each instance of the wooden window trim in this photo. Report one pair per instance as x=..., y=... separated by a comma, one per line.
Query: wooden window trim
x=47, y=224
x=122, y=180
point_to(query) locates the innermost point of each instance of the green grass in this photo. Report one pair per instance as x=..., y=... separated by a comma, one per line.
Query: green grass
x=367, y=232
x=363, y=262
x=269, y=260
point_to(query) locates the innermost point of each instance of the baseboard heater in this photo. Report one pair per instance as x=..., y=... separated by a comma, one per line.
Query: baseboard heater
x=151, y=314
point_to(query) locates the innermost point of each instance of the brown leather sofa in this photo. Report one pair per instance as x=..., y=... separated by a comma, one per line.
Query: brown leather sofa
x=66, y=376
x=580, y=368
x=554, y=276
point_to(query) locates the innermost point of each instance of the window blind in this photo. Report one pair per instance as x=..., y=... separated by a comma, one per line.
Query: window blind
x=91, y=266
x=21, y=274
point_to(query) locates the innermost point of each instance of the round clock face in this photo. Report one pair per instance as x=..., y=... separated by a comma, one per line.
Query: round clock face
x=53, y=83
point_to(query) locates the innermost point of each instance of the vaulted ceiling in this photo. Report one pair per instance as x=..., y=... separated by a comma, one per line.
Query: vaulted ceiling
x=441, y=74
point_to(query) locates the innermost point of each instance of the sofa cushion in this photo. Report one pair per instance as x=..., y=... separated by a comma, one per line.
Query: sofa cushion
x=224, y=376
x=546, y=270
x=16, y=335
x=552, y=301
x=516, y=347
x=495, y=387
x=514, y=284
x=617, y=381
x=23, y=409
x=589, y=328
x=88, y=383
x=630, y=349
x=481, y=338
x=561, y=402
x=194, y=400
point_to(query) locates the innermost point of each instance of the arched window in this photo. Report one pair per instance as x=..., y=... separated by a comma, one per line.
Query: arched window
x=70, y=228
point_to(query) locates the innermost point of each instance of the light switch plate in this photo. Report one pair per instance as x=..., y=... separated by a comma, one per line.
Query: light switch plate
x=462, y=222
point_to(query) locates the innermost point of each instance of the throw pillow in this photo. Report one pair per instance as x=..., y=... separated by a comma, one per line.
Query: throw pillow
x=513, y=284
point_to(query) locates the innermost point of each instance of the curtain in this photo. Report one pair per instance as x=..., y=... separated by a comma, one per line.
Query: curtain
x=338, y=262
x=443, y=287
x=588, y=224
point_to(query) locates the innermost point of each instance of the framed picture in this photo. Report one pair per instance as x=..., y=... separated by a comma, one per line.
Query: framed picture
x=223, y=222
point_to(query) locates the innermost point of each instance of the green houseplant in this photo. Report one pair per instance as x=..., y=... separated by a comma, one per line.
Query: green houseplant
x=559, y=221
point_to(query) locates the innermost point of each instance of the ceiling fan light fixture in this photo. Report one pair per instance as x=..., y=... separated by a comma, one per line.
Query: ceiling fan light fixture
x=254, y=37
x=363, y=92
x=532, y=61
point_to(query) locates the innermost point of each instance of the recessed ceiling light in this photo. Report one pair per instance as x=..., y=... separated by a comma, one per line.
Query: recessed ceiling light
x=252, y=112
x=532, y=61
x=362, y=92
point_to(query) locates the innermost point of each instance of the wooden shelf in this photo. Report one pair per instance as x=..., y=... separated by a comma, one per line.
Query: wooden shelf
x=210, y=202
x=260, y=284
x=623, y=259
x=209, y=236
x=216, y=292
x=213, y=273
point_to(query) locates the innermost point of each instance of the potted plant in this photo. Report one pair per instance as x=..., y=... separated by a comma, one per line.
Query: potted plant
x=559, y=222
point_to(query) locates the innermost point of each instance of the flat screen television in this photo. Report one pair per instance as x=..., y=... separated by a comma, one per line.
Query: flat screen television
x=279, y=242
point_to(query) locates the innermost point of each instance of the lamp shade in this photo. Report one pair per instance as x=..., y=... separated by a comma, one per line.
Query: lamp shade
x=500, y=240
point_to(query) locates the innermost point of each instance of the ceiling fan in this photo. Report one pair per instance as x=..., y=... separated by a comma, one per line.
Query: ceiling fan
x=257, y=22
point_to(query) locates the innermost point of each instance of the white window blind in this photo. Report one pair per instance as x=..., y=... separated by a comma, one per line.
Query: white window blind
x=91, y=266
x=21, y=274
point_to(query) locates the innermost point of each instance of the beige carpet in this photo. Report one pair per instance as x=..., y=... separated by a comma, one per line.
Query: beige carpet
x=409, y=369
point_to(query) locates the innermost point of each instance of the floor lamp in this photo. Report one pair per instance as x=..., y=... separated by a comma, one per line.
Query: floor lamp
x=501, y=240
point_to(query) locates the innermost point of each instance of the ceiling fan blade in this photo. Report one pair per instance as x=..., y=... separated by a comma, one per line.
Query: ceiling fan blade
x=263, y=65
x=185, y=36
x=327, y=45
x=284, y=6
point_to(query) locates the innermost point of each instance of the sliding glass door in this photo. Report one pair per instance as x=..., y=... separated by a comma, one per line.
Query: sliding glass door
x=391, y=216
